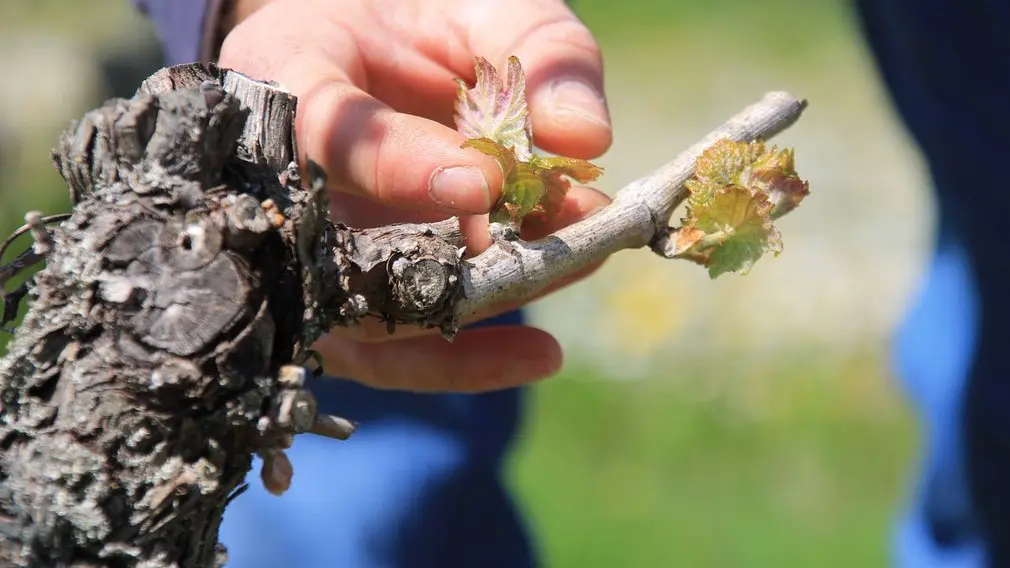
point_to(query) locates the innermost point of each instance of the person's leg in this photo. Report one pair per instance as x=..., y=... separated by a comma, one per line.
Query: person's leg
x=952, y=353
x=933, y=355
x=417, y=486
x=944, y=66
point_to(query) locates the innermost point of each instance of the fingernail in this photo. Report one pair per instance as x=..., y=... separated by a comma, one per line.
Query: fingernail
x=578, y=98
x=462, y=187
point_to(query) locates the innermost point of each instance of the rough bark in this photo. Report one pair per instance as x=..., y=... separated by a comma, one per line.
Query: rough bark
x=167, y=336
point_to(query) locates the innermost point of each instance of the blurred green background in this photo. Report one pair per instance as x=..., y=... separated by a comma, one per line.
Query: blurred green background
x=751, y=421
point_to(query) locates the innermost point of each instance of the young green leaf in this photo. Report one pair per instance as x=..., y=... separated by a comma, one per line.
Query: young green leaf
x=722, y=164
x=731, y=232
x=505, y=157
x=538, y=185
x=556, y=172
x=494, y=115
x=522, y=188
x=556, y=168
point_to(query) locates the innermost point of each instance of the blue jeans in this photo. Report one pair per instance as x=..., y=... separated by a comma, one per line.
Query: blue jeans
x=943, y=63
x=418, y=486
x=934, y=353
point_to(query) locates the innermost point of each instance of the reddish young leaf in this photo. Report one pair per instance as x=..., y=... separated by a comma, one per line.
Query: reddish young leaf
x=496, y=109
x=494, y=115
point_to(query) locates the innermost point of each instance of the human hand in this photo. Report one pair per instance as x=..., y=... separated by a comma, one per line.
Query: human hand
x=375, y=85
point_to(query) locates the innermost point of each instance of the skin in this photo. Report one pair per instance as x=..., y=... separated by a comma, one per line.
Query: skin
x=374, y=81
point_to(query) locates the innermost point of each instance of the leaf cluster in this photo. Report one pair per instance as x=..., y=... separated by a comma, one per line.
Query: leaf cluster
x=494, y=115
x=737, y=191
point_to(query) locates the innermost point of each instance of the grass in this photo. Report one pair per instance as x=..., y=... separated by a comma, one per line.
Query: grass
x=782, y=26
x=643, y=475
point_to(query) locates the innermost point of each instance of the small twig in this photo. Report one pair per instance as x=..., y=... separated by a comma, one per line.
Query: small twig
x=24, y=260
x=333, y=427
x=58, y=218
x=11, y=301
x=35, y=224
x=40, y=234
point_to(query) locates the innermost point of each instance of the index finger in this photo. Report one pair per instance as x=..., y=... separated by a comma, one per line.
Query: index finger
x=396, y=159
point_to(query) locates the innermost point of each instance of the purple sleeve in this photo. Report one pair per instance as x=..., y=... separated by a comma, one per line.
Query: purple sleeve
x=183, y=26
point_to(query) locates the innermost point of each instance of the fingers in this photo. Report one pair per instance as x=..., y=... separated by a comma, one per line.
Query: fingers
x=396, y=159
x=365, y=146
x=564, y=70
x=478, y=360
x=580, y=202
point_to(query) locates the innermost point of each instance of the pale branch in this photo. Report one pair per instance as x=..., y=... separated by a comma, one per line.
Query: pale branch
x=638, y=216
x=167, y=335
